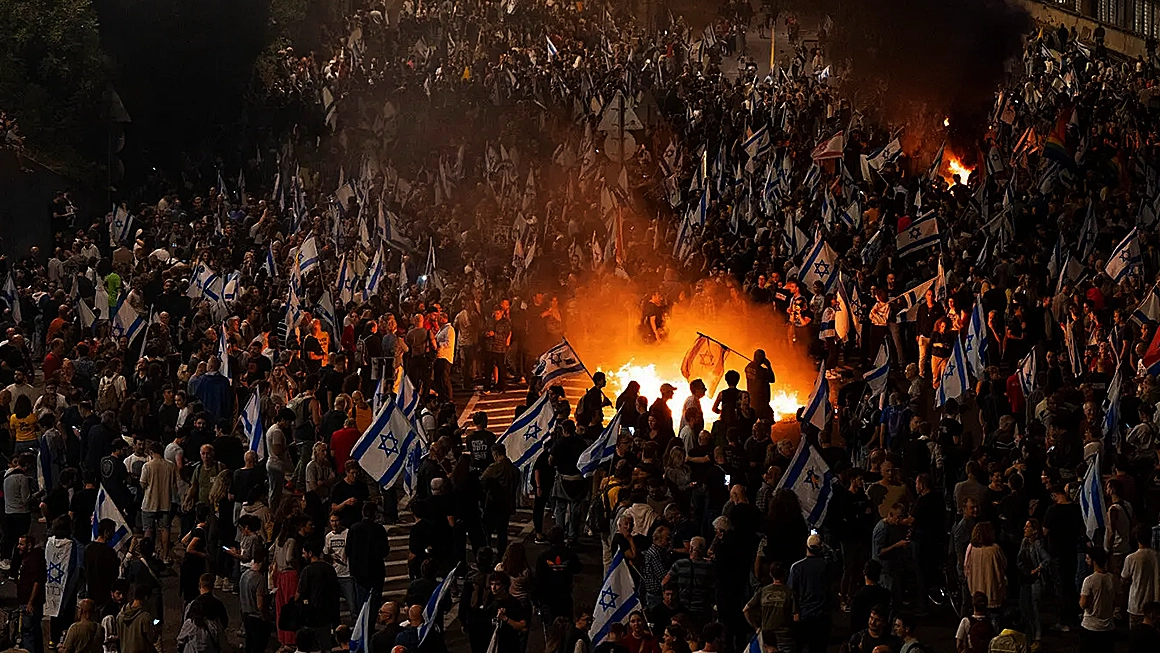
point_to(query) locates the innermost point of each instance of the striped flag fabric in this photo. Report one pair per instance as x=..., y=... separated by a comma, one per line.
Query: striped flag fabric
x=810, y=479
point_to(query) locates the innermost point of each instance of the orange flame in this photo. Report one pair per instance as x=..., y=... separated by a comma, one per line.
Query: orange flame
x=785, y=402
x=954, y=166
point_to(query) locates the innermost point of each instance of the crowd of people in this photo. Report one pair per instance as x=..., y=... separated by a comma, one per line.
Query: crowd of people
x=184, y=379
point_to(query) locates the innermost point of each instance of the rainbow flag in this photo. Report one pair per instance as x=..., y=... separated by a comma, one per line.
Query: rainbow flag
x=1057, y=147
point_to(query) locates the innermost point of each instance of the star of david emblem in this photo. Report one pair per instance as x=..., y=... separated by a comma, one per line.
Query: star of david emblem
x=707, y=358
x=55, y=572
x=388, y=443
x=812, y=478
x=533, y=432
x=915, y=232
x=1125, y=256
x=556, y=358
x=821, y=268
x=970, y=347
x=950, y=369
x=608, y=599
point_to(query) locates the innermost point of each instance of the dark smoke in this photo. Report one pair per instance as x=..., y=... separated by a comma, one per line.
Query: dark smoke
x=948, y=55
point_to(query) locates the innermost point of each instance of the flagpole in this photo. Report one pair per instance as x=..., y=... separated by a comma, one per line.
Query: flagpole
x=727, y=347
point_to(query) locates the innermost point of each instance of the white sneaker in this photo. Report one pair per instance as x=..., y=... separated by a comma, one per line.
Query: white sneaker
x=5, y=565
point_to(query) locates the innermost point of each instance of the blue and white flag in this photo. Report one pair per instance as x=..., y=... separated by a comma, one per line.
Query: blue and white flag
x=755, y=645
x=360, y=635
x=821, y=264
x=382, y=450
x=1124, y=257
x=346, y=281
x=224, y=352
x=851, y=216
x=12, y=298
x=525, y=438
x=847, y=318
x=308, y=256
x=936, y=163
x=756, y=144
x=813, y=176
x=126, y=322
x=431, y=277
x=252, y=425
x=921, y=233
x=408, y=398
x=552, y=51
x=602, y=450
x=616, y=601
x=414, y=460
x=1028, y=373
x=205, y=283
x=976, y=348
x=63, y=559
x=908, y=302
x=119, y=228
x=268, y=264
x=374, y=275
x=818, y=407
x=106, y=509
x=1111, y=426
x=404, y=283
x=954, y=376
x=810, y=479
x=432, y=612
x=557, y=363
x=1091, y=497
x=88, y=318
x=1088, y=232
x=1148, y=310
x=879, y=373
x=230, y=290
x=1056, y=260
x=888, y=154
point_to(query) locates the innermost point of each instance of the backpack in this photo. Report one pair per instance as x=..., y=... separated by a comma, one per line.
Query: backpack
x=1005, y=643
x=108, y=398
x=979, y=635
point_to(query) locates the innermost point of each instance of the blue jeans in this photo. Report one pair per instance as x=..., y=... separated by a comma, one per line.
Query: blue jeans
x=567, y=516
x=1030, y=596
x=30, y=632
x=351, y=595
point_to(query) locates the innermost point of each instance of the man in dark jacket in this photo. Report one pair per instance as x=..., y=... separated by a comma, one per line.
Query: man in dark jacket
x=318, y=592
x=366, y=550
x=501, y=484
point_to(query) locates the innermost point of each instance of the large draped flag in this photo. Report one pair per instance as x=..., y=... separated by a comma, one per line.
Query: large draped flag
x=1111, y=425
x=921, y=233
x=821, y=264
x=525, y=438
x=436, y=603
x=878, y=374
x=810, y=479
x=106, y=509
x=360, y=635
x=12, y=298
x=818, y=407
x=252, y=425
x=1028, y=373
x=63, y=557
x=382, y=450
x=557, y=363
x=616, y=601
x=603, y=449
x=1125, y=257
x=705, y=360
x=1091, y=497
x=954, y=377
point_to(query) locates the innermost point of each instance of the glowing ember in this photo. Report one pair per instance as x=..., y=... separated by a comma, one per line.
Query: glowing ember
x=956, y=167
x=785, y=404
x=946, y=122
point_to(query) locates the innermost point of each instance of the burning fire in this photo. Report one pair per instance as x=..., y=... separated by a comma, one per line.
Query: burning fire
x=955, y=167
x=785, y=403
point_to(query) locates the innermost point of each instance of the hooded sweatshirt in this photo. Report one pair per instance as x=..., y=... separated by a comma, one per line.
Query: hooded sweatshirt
x=136, y=629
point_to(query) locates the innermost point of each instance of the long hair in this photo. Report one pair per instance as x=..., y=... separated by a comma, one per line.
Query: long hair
x=515, y=559
x=22, y=407
x=982, y=535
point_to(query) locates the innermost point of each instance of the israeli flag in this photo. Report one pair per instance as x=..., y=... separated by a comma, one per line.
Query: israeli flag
x=829, y=210
x=431, y=612
x=552, y=51
x=224, y=352
x=617, y=600
x=1148, y=310
x=1091, y=497
x=411, y=468
x=8, y=294
x=382, y=450
x=230, y=290
x=810, y=479
x=851, y=216
x=821, y=264
x=525, y=438
x=879, y=374
x=126, y=321
x=813, y=176
x=921, y=233
x=755, y=645
x=1111, y=426
x=1056, y=260
x=268, y=264
x=818, y=407
x=1125, y=257
x=954, y=376
x=88, y=319
x=106, y=509
x=976, y=347
x=375, y=274
x=252, y=425
x=308, y=256
x=559, y=362
x=119, y=229
x=1028, y=374
x=346, y=281
x=602, y=450
x=888, y=154
x=408, y=398
x=360, y=635
x=1088, y=232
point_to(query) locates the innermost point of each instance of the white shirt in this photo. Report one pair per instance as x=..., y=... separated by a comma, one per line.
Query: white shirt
x=336, y=548
x=1142, y=570
x=445, y=343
